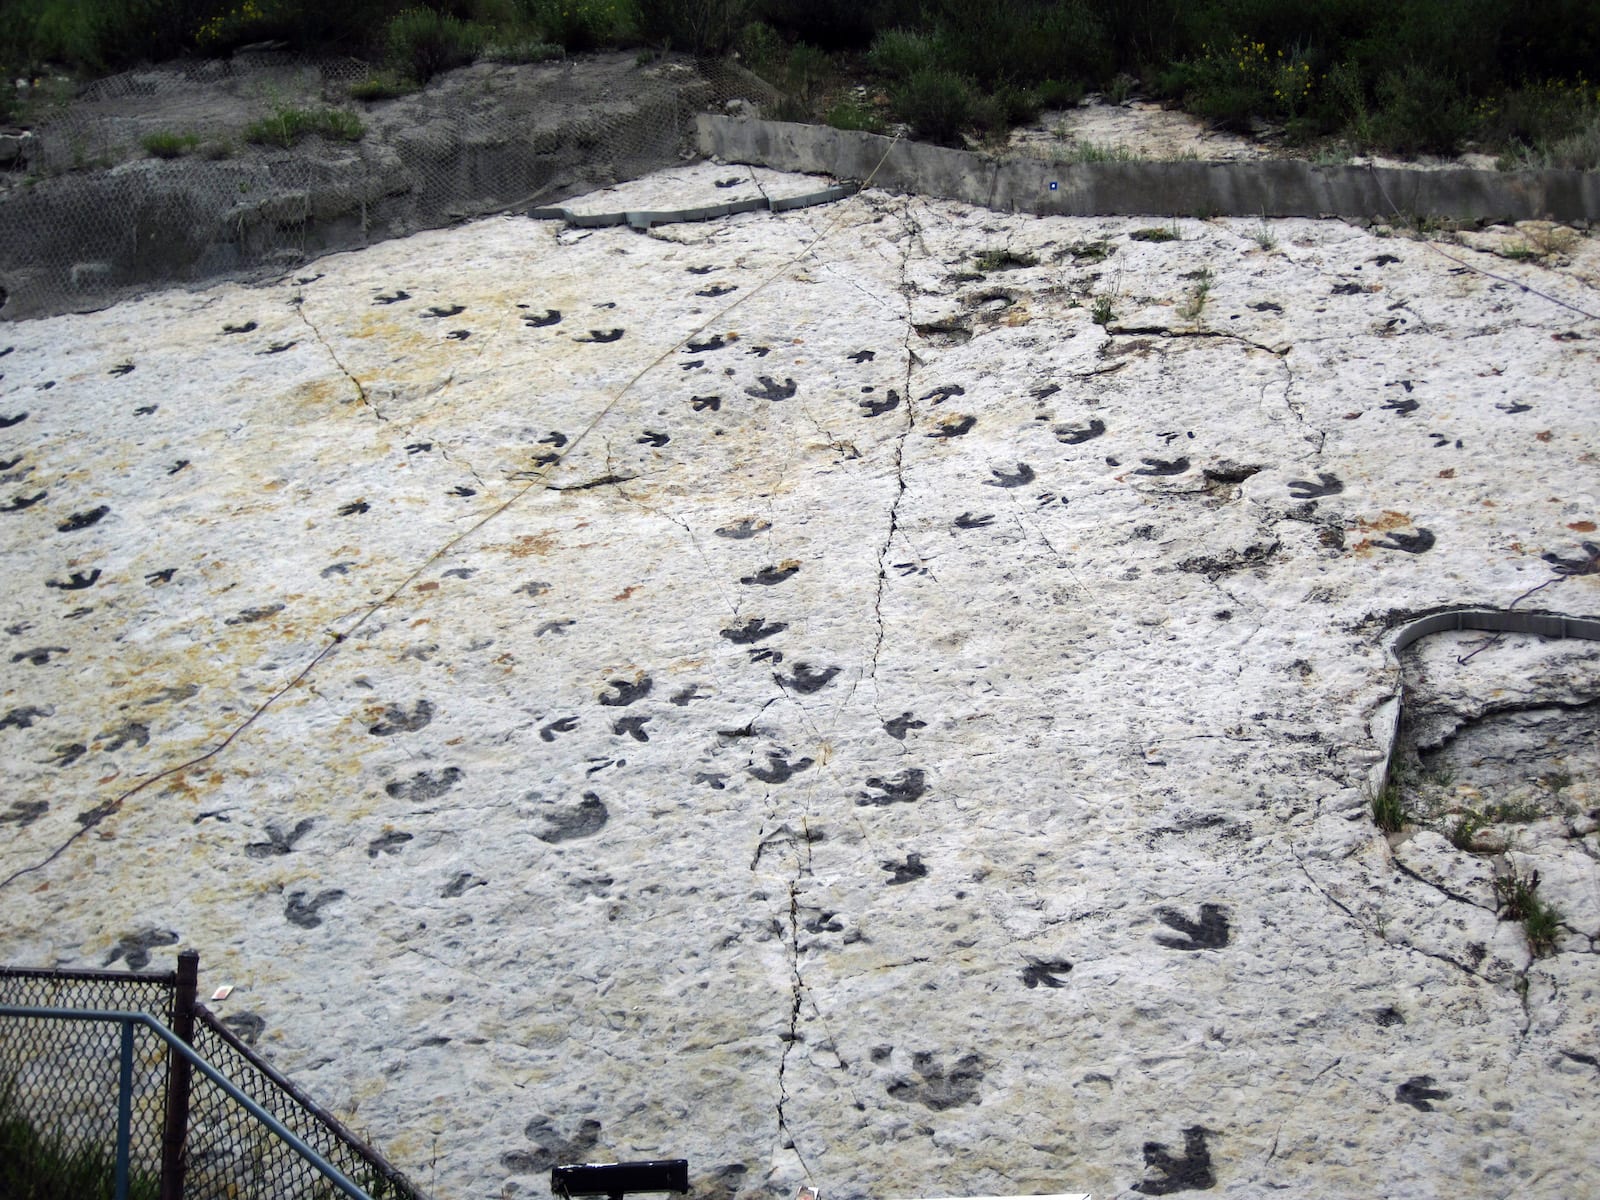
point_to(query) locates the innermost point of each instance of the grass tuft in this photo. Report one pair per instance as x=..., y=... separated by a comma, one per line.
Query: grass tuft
x=287, y=126
x=1389, y=808
x=166, y=144
x=44, y=1165
x=1518, y=896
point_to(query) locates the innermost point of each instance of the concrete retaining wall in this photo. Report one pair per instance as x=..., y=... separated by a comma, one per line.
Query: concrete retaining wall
x=1270, y=188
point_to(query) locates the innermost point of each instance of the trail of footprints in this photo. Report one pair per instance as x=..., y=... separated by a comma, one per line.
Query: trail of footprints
x=711, y=367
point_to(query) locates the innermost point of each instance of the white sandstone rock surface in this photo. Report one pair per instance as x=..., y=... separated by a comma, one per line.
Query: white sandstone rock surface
x=820, y=707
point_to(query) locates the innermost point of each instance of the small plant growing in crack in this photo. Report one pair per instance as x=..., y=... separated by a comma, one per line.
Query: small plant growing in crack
x=1519, y=900
x=1102, y=311
x=1389, y=806
x=1003, y=260
x=1263, y=236
x=1157, y=233
x=1463, y=833
x=1194, y=302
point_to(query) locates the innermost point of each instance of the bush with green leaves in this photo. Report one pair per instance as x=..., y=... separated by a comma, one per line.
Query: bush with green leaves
x=901, y=53
x=420, y=43
x=581, y=25
x=1021, y=41
x=936, y=103
x=702, y=27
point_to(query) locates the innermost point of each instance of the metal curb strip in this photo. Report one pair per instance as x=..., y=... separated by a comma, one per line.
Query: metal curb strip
x=645, y=219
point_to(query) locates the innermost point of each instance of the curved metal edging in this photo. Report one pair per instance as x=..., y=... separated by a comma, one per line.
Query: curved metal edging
x=646, y=218
x=1487, y=620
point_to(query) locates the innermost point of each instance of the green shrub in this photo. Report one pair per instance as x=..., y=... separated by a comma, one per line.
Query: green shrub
x=704, y=27
x=166, y=144
x=1420, y=112
x=420, y=43
x=1021, y=41
x=850, y=112
x=901, y=53
x=516, y=49
x=286, y=126
x=936, y=103
x=760, y=47
x=382, y=85
x=582, y=25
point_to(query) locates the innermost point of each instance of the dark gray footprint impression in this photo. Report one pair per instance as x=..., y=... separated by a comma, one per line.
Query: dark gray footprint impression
x=83, y=520
x=1419, y=542
x=768, y=576
x=1160, y=466
x=805, y=679
x=626, y=691
x=1045, y=972
x=1589, y=565
x=771, y=389
x=397, y=720
x=566, y=822
x=907, y=872
x=1192, y=1172
x=1069, y=435
x=1326, y=485
x=550, y=1148
x=938, y=1088
x=425, y=785
x=1210, y=932
x=904, y=788
x=308, y=913
x=747, y=528
x=779, y=769
x=1021, y=477
x=278, y=842
x=898, y=727
x=752, y=631
x=134, y=948
x=1419, y=1093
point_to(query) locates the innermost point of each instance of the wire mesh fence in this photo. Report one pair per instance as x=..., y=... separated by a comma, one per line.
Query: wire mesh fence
x=230, y=1154
x=250, y=166
x=64, y=1120
x=60, y=1084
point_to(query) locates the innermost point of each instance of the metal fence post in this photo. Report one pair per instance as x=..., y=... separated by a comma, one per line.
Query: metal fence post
x=175, y=1132
x=124, y=1111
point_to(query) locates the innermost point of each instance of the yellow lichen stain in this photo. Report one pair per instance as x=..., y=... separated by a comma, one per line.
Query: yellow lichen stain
x=1389, y=520
x=322, y=396
x=1582, y=526
x=1017, y=316
x=420, y=622
x=627, y=592
x=528, y=544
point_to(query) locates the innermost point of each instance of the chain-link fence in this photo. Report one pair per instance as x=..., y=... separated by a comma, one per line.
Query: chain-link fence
x=60, y=1083
x=231, y=1154
x=77, y=1095
x=248, y=167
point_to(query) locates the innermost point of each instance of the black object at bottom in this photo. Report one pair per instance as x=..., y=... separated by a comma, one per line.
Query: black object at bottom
x=618, y=1179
